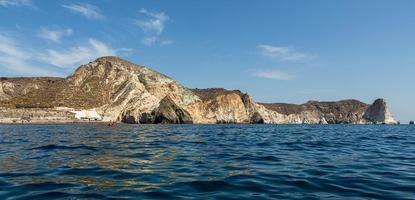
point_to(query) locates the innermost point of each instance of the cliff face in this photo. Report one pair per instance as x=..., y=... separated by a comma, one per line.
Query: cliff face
x=340, y=112
x=121, y=91
x=218, y=105
x=116, y=88
x=378, y=112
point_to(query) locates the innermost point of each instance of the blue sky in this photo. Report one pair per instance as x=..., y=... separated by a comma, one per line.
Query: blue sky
x=278, y=51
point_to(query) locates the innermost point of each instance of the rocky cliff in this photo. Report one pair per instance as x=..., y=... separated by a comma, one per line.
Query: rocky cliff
x=340, y=112
x=121, y=91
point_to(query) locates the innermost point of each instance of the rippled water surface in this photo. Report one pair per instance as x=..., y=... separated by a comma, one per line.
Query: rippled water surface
x=93, y=161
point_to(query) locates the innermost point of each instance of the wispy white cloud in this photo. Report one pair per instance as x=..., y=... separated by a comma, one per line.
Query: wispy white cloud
x=54, y=35
x=87, y=10
x=17, y=59
x=155, y=24
x=10, y=3
x=77, y=55
x=9, y=47
x=283, y=53
x=152, y=27
x=274, y=74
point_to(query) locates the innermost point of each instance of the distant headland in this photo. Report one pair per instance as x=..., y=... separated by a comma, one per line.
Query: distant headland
x=112, y=89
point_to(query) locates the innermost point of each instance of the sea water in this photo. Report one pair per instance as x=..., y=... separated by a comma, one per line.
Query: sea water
x=94, y=161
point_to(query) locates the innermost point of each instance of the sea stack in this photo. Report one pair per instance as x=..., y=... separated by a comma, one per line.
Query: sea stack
x=411, y=122
x=378, y=113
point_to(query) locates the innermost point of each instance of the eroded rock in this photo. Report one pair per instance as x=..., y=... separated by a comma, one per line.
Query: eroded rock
x=378, y=112
x=170, y=113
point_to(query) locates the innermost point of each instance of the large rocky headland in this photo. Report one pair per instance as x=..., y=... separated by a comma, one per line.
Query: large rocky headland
x=117, y=90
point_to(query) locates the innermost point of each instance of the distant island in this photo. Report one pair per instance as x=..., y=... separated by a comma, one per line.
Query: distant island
x=112, y=89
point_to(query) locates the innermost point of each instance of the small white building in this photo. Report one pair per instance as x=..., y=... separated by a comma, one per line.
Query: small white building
x=87, y=115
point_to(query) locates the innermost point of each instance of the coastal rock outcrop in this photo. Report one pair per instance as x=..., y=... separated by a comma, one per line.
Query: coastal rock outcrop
x=122, y=91
x=378, y=112
x=315, y=112
x=218, y=105
x=168, y=112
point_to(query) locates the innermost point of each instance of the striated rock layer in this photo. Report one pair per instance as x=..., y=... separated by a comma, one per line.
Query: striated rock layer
x=121, y=91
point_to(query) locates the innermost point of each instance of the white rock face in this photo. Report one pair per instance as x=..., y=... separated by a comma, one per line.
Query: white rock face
x=323, y=121
x=347, y=111
x=134, y=90
x=273, y=117
x=5, y=86
x=378, y=112
x=131, y=89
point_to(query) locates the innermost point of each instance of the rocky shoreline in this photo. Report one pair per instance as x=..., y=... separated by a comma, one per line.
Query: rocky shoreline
x=113, y=89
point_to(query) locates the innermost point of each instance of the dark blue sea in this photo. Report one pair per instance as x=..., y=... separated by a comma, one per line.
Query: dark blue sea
x=94, y=161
